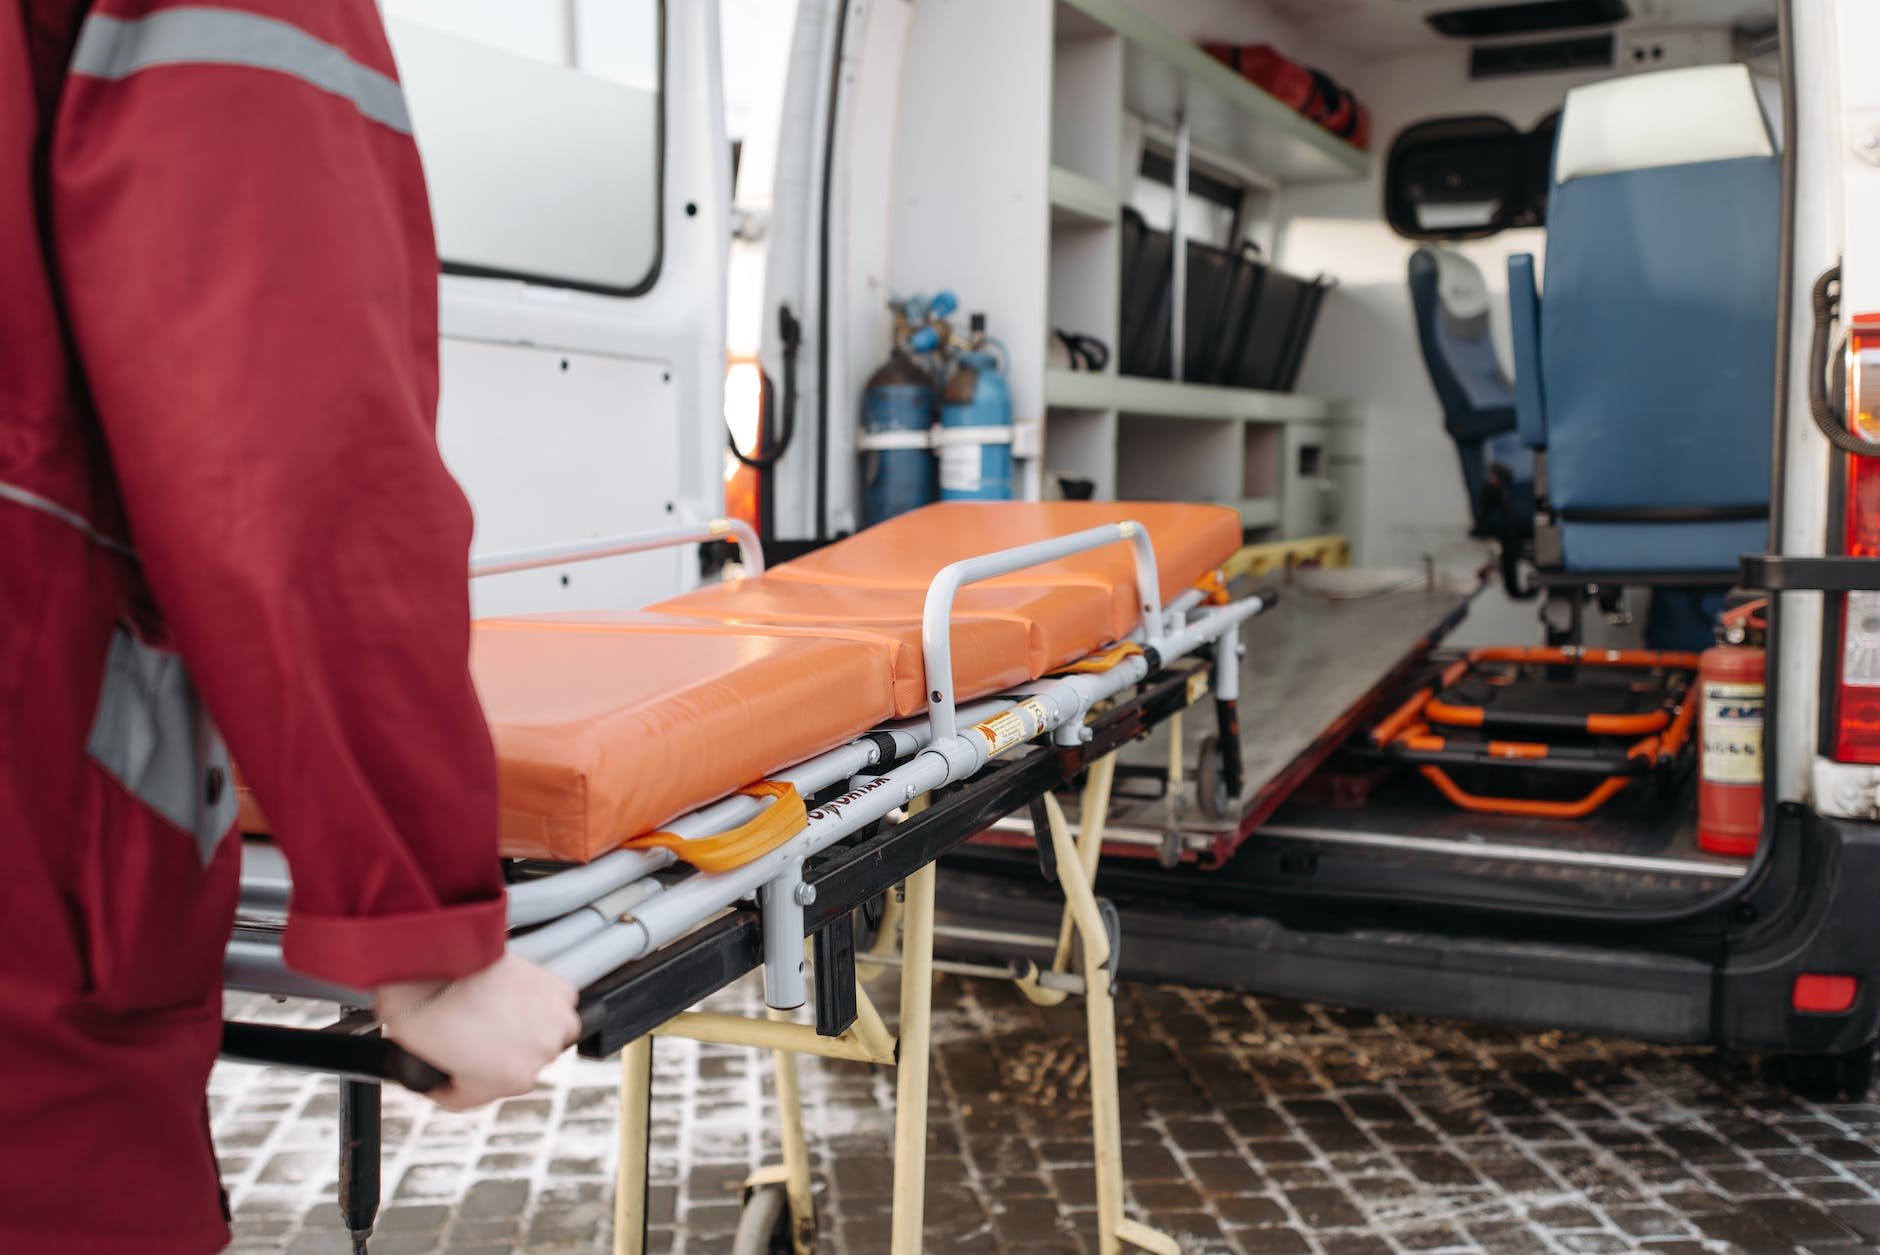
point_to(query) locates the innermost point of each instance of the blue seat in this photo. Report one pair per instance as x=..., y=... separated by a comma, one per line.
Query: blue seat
x=1646, y=373
x=1451, y=300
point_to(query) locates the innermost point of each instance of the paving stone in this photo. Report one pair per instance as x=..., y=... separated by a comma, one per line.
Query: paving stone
x=1249, y=1126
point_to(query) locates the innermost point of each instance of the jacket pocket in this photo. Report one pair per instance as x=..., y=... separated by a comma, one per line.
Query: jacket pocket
x=153, y=736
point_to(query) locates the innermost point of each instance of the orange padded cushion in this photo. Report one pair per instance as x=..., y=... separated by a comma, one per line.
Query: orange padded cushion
x=606, y=730
x=1001, y=636
x=991, y=651
x=906, y=552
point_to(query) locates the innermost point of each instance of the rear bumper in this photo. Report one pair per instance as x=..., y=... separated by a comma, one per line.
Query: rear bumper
x=1724, y=977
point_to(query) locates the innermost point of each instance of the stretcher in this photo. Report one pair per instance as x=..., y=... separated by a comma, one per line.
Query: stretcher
x=1612, y=716
x=691, y=791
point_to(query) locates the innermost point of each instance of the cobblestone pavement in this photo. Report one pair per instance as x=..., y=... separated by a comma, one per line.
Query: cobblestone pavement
x=1252, y=1125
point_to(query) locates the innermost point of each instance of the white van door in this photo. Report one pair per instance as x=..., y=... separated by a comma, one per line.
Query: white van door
x=579, y=178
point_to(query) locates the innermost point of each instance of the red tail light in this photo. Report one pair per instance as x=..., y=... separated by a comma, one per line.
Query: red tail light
x=1857, y=678
x=1824, y=995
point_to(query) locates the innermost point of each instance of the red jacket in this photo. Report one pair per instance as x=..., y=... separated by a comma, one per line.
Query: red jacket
x=218, y=377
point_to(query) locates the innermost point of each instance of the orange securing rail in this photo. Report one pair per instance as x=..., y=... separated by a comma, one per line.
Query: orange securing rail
x=1104, y=661
x=1529, y=808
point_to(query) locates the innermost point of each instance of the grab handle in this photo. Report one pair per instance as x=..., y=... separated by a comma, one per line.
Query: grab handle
x=750, y=548
x=936, y=633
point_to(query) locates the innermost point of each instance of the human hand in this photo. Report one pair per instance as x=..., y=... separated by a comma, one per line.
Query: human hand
x=492, y=1032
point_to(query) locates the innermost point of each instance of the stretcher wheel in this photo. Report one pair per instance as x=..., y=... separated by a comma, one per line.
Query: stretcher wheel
x=1210, y=784
x=764, y=1224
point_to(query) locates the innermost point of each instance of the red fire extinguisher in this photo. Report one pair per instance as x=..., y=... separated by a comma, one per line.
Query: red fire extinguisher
x=1729, y=765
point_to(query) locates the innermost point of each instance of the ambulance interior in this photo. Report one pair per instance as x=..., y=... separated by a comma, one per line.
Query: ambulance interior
x=1366, y=433
x=1024, y=157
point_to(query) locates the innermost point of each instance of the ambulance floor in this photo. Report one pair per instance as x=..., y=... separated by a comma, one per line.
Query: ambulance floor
x=1252, y=1126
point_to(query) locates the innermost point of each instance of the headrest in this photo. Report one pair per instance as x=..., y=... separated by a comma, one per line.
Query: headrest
x=1460, y=286
x=1667, y=118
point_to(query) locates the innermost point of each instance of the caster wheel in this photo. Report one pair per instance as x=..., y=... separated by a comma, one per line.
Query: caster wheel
x=764, y=1224
x=1210, y=788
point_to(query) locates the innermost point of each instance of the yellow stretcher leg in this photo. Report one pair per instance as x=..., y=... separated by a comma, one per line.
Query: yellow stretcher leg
x=796, y=1182
x=636, y=1102
x=1080, y=901
x=910, y=1099
x=1095, y=812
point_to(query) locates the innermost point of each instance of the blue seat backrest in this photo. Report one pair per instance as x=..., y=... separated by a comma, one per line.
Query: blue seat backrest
x=1451, y=301
x=1658, y=315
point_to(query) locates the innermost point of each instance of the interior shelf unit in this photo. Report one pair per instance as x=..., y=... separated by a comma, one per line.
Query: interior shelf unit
x=1018, y=206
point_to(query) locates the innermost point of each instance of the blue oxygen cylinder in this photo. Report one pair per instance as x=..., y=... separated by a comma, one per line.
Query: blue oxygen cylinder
x=897, y=417
x=974, y=443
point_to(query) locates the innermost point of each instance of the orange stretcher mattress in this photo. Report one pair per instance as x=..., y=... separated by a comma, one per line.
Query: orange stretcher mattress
x=610, y=724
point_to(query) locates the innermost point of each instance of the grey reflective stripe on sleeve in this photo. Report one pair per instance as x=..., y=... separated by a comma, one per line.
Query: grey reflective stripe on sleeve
x=72, y=518
x=112, y=47
x=152, y=733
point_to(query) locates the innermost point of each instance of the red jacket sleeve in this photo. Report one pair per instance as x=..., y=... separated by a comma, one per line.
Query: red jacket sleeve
x=245, y=251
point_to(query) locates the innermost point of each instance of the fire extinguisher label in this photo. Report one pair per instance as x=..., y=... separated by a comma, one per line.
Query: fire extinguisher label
x=1733, y=732
x=960, y=467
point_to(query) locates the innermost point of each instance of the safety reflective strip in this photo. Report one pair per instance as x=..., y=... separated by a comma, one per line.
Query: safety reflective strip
x=114, y=48
x=71, y=518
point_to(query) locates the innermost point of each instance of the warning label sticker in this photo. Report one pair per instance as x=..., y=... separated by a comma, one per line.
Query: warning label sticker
x=1733, y=733
x=960, y=467
x=1002, y=732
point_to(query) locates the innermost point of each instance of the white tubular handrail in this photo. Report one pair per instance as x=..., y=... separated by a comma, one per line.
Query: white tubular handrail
x=750, y=548
x=937, y=618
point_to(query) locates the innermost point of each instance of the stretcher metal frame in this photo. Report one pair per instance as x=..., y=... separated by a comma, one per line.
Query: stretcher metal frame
x=1626, y=746
x=644, y=949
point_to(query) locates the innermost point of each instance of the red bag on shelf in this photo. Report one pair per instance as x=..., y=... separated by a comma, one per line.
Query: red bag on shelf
x=1226, y=54
x=1278, y=75
x=1311, y=92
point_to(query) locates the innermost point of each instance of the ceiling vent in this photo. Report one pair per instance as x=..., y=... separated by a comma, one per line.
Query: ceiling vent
x=1485, y=22
x=1585, y=52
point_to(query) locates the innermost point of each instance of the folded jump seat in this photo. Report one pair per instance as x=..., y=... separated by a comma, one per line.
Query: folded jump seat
x=609, y=724
x=1520, y=731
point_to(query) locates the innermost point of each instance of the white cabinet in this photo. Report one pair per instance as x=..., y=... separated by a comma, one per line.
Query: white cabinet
x=1009, y=190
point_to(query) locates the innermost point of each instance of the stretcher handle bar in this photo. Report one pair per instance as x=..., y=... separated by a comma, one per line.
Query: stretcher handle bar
x=371, y=1059
x=936, y=631
x=750, y=548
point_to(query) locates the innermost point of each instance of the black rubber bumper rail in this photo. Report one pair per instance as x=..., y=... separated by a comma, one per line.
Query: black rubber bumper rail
x=1777, y=573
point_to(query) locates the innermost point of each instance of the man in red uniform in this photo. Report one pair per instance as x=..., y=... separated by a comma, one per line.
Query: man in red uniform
x=218, y=375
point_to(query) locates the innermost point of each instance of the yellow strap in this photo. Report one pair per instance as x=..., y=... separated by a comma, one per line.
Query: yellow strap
x=1214, y=584
x=1103, y=661
x=728, y=851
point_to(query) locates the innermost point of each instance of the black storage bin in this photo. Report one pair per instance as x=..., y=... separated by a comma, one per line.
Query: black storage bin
x=1142, y=339
x=1236, y=314
x=1303, y=322
x=1221, y=292
x=1274, y=344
